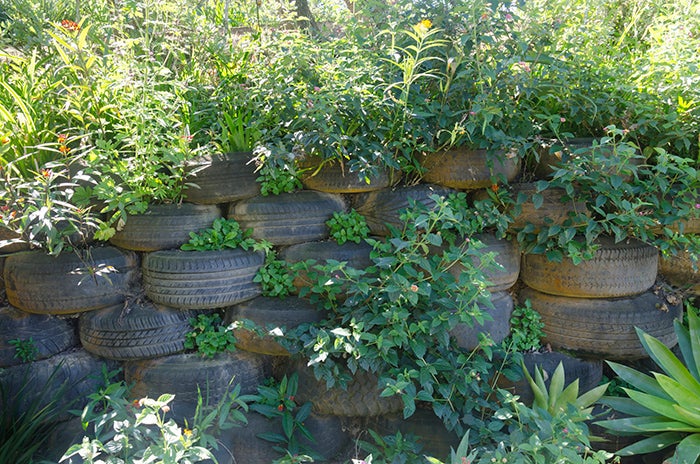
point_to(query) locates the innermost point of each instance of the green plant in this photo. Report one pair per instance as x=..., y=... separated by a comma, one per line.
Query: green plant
x=276, y=174
x=277, y=402
x=140, y=431
x=350, y=226
x=223, y=234
x=208, y=336
x=25, y=350
x=663, y=406
x=275, y=277
x=526, y=328
x=394, y=449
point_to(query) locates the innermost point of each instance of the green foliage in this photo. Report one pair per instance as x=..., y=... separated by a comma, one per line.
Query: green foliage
x=662, y=406
x=25, y=350
x=277, y=402
x=394, y=449
x=141, y=430
x=275, y=277
x=526, y=328
x=208, y=336
x=350, y=226
x=223, y=234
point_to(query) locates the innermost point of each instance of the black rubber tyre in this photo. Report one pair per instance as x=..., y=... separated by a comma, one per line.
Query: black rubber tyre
x=137, y=331
x=288, y=218
x=164, y=226
x=222, y=178
x=589, y=373
x=333, y=177
x=556, y=207
x=507, y=257
x=385, y=206
x=201, y=279
x=468, y=169
x=616, y=270
x=498, y=328
x=605, y=327
x=356, y=255
x=680, y=271
x=360, y=399
x=63, y=381
x=49, y=335
x=183, y=374
x=71, y=282
x=270, y=313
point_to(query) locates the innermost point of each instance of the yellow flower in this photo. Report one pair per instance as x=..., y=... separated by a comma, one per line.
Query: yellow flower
x=187, y=433
x=426, y=23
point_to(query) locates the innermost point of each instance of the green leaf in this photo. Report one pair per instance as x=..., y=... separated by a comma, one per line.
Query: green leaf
x=658, y=405
x=591, y=396
x=688, y=450
x=626, y=406
x=641, y=381
x=652, y=444
x=667, y=361
x=682, y=395
x=686, y=345
x=556, y=386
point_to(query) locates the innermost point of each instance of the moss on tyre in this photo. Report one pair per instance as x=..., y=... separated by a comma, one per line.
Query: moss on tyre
x=201, y=279
x=71, y=282
x=605, y=328
x=135, y=331
x=616, y=270
x=48, y=335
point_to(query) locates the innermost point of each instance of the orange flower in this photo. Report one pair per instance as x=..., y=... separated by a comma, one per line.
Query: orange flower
x=46, y=173
x=62, y=138
x=494, y=188
x=64, y=149
x=5, y=140
x=69, y=25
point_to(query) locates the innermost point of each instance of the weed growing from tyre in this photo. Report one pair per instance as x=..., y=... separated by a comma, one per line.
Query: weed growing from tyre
x=223, y=234
x=275, y=277
x=25, y=350
x=350, y=226
x=526, y=328
x=209, y=336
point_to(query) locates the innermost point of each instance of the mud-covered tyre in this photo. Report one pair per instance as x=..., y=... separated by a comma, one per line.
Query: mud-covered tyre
x=49, y=335
x=617, y=269
x=681, y=271
x=468, y=169
x=497, y=326
x=383, y=208
x=222, y=178
x=164, y=226
x=274, y=315
x=596, y=327
x=361, y=398
x=136, y=331
x=186, y=373
x=201, y=279
x=288, y=218
x=71, y=282
x=333, y=177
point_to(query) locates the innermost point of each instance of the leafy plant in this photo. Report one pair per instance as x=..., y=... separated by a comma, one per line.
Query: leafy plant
x=208, y=336
x=526, y=328
x=223, y=234
x=277, y=401
x=25, y=350
x=394, y=449
x=350, y=226
x=663, y=406
x=275, y=277
x=276, y=174
x=141, y=431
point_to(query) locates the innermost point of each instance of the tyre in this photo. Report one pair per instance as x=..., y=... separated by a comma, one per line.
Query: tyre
x=164, y=226
x=383, y=208
x=333, y=177
x=11, y=246
x=681, y=271
x=503, y=273
x=273, y=314
x=555, y=209
x=49, y=335
x=185, y=374
x=497, y=327
x=288, y=218
x=468, y=169
x=360, y=398
x=222, y=178
x=597, y=327
x=617, y=269
x=589, y=373
x=201, y=279
x=356, y=255
x=136, y=331
x=71, y=282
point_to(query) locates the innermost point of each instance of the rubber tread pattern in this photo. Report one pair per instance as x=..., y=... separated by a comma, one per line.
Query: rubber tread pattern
x=604, y=328
x=679, y=271
x=504, y=273
x=39, y=283
x=334, y=178
x=183, y=374
x=360, y=399
x=498, y=328
x=50, y=335
x=267, y=312
x=201, y=279
x=384, y=207
x=164, y=226
x=138, y=331
x=288, y=218
x=468, y=169
x=616, y=270
x=222, y=178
